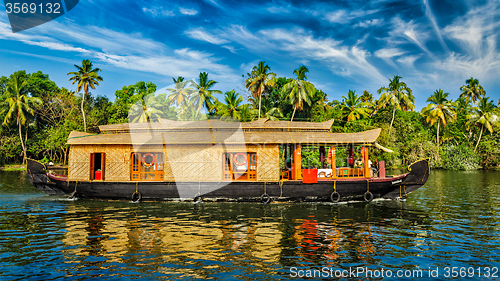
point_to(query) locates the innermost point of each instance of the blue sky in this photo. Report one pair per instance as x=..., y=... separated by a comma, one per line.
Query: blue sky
x=355, y=45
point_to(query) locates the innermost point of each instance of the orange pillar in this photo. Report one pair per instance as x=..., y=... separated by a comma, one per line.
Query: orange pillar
x=366, y=168
x=333, y=161
x=297, y=163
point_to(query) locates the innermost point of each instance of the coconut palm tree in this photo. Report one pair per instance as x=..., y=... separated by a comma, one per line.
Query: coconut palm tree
x=179, y=79
x=439, y=109
x=397, y=95
x=472, y=90
x=246, y=113
x=353, y=108
x=299, y=90
x=485, y=114
x=180, y=92
x=146, y=109
x=19, y=104
x=260, y=81
x=232, y=104
x=86, y=77
x=204, y=97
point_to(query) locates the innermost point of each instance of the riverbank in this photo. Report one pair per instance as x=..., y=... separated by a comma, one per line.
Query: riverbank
x=13, y=168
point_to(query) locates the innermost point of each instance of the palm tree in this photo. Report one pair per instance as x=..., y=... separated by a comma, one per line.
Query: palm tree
x=246, y=114
x=205, y=96
x=181, y=92
x=299, y=90
x=85, y=77
x=260, y=80
x=397, y=95
x=179, y=79
x=439, y=109
x=353, y=108
x=269, y=111
x=472, y=90
x=146, y=109
x=462, y=106
x=19, y=104
x=232, y=105
x=486, y=115
x=366, y=97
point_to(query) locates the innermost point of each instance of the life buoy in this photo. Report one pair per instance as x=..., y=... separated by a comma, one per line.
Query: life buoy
x=148, y=164
x=265, y=199
x=136, y=197
x=235, y=159
x=368, y=196
x=335, y=197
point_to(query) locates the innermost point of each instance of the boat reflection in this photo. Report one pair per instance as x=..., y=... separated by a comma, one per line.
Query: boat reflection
x=174, y=238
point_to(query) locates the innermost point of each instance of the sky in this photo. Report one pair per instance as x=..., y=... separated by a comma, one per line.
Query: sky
x=346, y=45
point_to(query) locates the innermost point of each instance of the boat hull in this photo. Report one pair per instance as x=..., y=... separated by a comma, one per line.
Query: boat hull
x=359, y=189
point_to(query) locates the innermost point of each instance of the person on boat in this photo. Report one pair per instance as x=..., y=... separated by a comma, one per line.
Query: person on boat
x=350, y=159
x=374, y=169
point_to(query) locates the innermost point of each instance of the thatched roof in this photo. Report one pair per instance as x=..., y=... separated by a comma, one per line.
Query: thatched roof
x=212, y=136
x=263, y=124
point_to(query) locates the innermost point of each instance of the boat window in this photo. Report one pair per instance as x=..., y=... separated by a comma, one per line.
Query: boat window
x=147, y=166
x=97, y=164
x=240, y=166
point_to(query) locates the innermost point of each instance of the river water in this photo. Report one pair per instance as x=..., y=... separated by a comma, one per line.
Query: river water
x=450, y=227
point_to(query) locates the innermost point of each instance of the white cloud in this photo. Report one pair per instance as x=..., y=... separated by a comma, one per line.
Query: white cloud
x=471, y=29
x=158, y=11
x=432, y=18
x=389, y=53
x=342, y=60
x=409, y=31
x=339, y=16
x=200, y=33
x=279, y=9
x=186, y=11
x=343, y=16
x=485, y=67
x=123, y=50
x=409, y=60
x=56, y=46
x=369, y=23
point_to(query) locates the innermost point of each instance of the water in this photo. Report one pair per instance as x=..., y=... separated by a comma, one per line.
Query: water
x=453, y=221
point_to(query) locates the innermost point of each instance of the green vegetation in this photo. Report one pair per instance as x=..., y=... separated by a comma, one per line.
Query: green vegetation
x=37, y=115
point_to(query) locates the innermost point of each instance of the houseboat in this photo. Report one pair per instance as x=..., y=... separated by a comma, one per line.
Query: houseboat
x=217, y=160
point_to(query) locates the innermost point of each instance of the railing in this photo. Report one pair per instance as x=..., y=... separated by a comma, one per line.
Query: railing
x=344, y=172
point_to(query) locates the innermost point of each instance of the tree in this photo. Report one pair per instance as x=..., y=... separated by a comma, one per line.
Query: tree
x=145, y=109
x=260, y=81
x=472, y=90
x=299, y=90
x=366, y=97
x=128, y=96
x=246, y=114
x=353, y=108
x=397, y=95
x=439, y=109
x=85, y=77
x=485, y=114
x=232, y=104
x=205, y=94
x=268, y=110
x=181, y=92
x=19, y=104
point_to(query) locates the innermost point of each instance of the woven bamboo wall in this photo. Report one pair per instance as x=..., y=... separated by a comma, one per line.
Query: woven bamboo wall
x=193, y=163
x=268, y=163
x=204, y=163
x=117, y=163
x=183, y=162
